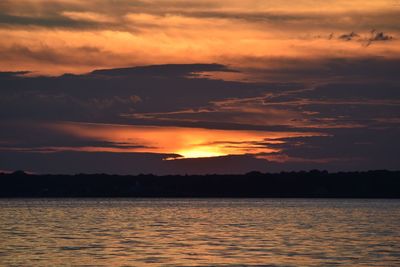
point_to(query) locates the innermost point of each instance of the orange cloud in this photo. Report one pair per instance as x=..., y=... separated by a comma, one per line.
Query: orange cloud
x=88, y=16
x=186, y=142
x=158, y=32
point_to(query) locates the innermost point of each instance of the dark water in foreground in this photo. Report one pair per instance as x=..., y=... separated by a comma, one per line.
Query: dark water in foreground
x=209, y=232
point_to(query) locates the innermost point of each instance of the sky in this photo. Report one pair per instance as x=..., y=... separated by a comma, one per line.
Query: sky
x=199, y=87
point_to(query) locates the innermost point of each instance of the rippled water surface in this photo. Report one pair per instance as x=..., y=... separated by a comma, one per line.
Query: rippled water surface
x=196, y=232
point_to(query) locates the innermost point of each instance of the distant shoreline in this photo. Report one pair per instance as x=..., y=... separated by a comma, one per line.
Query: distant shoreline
x=312, y=184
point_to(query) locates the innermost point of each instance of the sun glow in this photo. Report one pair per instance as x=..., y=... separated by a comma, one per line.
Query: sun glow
x=201, y=152
x=178, y=141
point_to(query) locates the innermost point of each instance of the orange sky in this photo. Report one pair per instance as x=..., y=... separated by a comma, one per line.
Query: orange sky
x=285, y=81
x=53, y=37
x=186, y=142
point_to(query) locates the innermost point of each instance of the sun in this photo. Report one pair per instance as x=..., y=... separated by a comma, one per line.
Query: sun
x=201, y=152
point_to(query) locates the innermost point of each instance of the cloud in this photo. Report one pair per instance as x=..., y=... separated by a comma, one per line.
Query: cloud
x=135, y=33
x=105, y=94
x=266, y=123
x=366, y=89
x=176, y=70
x=47, y=22
x=298, y=69
x=349, y=37
x=378, y=37
x=362, y=148
x=88, y=16
x=366, y=40
x=142, y=163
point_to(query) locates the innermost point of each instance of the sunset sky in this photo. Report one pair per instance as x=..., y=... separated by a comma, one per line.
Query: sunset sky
x=205, y=86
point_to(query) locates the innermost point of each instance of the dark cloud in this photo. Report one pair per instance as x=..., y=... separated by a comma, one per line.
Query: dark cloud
x=68, y=56
x=378, y=37
x=123, y=95
x=47, y=22
x=357, y=115
x=137, y=163
x=322, y=70
x=174, y=70
x=366, y=40
x=310, y=20
x=128, y=163
x=50, y=14
x=82, y=162
x=349, y=36
x=350, y=103
x=105, y=94
x=347, y=96
x=15, y=74
x=24, y=136
x=362, y=147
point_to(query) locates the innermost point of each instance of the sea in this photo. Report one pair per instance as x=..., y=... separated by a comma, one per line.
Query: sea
x=199, y=232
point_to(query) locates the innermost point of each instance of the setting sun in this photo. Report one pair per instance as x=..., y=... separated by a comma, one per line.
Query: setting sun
x=201, y=152
x=183, y=142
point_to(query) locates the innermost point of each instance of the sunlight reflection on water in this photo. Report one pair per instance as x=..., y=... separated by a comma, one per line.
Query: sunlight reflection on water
x=199, y=232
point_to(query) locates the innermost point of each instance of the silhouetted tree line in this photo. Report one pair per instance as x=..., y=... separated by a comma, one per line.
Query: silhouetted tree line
x=371, y=184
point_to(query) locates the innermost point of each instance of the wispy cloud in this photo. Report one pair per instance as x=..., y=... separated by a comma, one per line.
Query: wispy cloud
x=155, y=32
x=260, y=83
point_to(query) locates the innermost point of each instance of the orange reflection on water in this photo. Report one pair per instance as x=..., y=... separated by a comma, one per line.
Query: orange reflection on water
x=184, y=141
x=199, y=232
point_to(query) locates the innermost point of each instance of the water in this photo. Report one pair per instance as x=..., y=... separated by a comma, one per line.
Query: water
x=196, y=232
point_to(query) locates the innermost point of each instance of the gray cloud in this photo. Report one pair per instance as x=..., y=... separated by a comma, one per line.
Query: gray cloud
x=358, y=115
x=364, y=148
x=49, y=14
x=378, y=37
x=68, y=56
x=47, y=22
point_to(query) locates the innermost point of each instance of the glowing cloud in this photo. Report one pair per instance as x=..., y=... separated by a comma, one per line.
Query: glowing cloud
x=157, y=32
x=185, y=142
